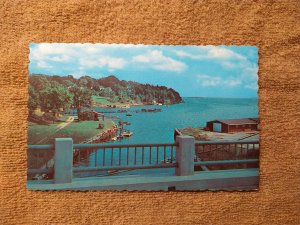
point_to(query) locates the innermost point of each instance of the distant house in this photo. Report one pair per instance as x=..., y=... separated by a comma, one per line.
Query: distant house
x=90, y=115
x=233, y=125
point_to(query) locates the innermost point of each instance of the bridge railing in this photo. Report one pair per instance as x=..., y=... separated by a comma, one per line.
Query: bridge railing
x=101, y=157
x=184, y=155
x=213, y=155
x=40, y=161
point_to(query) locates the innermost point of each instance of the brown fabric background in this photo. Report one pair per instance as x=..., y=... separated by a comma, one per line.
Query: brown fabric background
x=271, y=25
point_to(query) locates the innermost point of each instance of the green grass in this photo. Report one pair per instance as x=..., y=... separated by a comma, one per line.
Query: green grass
x=196, y=132
x=101, y=100
x=38, y=132
x=79, y=131
x=104, y=101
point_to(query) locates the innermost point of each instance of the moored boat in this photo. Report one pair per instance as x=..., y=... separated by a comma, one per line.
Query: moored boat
x=127, y=133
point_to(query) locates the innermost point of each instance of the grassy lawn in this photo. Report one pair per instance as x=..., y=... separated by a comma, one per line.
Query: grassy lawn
x=45, y=134
x=79, y=131
x=101, y=100
x=104, y=101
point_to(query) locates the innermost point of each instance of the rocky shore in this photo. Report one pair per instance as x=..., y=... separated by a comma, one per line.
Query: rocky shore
x=104, y=136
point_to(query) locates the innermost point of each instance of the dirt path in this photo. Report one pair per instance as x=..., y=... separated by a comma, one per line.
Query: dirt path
x=59, y=127
x=64, y=124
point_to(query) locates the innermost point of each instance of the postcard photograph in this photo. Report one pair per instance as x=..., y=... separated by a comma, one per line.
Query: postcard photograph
x=125, y=117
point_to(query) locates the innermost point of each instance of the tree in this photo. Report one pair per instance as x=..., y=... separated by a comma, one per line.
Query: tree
x=81, y=97
x=33, y=99
x=55, y=98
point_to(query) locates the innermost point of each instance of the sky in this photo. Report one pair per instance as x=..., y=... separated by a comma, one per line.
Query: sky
x=193, y=71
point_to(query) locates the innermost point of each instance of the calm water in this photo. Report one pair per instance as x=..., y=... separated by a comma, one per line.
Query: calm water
x=194, y=112
x=159, y=127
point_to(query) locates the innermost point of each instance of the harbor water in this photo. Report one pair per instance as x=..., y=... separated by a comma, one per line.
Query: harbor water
x=158, y=127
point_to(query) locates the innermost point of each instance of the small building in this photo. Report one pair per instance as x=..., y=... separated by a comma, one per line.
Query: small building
x=233, y=125
x=90, y=115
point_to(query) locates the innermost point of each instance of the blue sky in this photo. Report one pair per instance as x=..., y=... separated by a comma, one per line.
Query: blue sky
x=194, y=71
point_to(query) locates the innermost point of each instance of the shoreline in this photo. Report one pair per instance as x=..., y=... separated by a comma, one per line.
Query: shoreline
x=129, y=105
x=103, y=136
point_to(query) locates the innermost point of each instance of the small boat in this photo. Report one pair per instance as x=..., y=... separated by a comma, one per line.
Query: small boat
x=127, y=133
x=114, y=138
x=151, y=110
x=168, y=160
x=128, y=114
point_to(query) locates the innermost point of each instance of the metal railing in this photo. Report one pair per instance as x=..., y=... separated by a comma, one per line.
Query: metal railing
x=226, y=153
x=99, y=157
x=40, y=160
x=182, y=155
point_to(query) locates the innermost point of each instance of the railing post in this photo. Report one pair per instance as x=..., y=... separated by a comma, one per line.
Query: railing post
x=63, y=160
x=185, y=152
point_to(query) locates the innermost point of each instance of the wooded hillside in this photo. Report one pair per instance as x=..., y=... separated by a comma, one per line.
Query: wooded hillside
x=54, y=93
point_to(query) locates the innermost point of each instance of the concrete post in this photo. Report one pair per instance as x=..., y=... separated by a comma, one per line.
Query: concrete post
x=185, y=152
x=63, y=160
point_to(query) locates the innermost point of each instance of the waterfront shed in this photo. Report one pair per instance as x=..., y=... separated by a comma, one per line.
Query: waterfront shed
x=233, y=125
x=90, y=115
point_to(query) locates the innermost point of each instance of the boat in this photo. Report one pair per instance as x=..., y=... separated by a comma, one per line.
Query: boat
x=121, y=123
x=128, y=114
x=114, y=138
x=168, y=160
x=151, y=110
x=127, y=133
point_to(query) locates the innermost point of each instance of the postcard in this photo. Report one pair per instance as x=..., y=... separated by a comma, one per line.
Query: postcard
x=126, y=117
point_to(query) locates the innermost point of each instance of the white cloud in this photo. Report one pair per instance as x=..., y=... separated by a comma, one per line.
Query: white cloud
x=209, y=81
x=62, y=58
x=45, y=53
x=157, y=60
x=229, y=60
x=211, y=52
x=250, y=69
x=81, y=59
x=188, y=55
x=45, y=50
x=89, y=55
x=113, y=63
x=214, y=81
x=43, y=64
x=88, y=63
x=92, y=49
x=253, y=86
x=110, y=62
x=232, y=82
x=223, y=53
x=229, y=65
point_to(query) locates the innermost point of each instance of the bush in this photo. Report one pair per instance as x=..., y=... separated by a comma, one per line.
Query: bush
x=49, y=117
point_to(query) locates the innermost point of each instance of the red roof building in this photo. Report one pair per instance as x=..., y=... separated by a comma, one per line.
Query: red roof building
x=233, y=125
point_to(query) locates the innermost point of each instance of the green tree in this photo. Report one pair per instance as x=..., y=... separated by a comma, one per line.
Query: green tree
x=81, y=97
x=33, y=102
x=55, y=98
